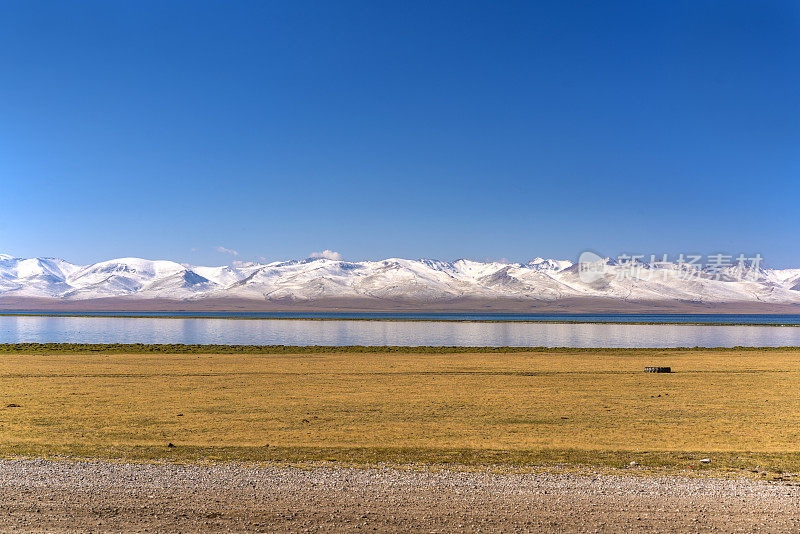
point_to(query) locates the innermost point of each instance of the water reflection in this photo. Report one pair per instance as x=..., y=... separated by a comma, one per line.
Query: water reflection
x=304, y=332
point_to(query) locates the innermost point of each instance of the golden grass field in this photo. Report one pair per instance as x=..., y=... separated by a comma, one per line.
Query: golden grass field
x=742, y=407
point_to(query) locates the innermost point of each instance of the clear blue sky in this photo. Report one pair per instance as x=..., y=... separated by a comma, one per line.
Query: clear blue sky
x=375, y=129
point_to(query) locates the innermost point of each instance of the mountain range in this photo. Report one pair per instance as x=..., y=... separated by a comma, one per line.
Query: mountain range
x=419, y=282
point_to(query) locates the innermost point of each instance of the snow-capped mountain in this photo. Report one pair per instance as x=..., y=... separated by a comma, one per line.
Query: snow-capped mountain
x=390, y=279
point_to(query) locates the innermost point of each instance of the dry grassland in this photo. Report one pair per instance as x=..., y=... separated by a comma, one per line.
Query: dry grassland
x=741, y=407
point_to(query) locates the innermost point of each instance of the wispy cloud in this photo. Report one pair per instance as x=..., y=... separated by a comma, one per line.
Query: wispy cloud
x=226, y=251
x=326, y=254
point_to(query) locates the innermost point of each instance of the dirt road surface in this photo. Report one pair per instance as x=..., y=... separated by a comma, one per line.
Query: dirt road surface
x=53, y=496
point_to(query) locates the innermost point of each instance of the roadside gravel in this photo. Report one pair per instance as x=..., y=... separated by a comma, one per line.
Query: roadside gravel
x=54, y=495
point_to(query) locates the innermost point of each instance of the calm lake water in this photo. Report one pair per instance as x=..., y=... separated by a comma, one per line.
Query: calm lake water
x=19, y=329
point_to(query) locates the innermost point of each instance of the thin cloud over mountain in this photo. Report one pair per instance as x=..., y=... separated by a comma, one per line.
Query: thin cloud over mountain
x=326, y=254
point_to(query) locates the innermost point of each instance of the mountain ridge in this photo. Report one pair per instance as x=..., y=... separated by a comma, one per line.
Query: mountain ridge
x=423, y=281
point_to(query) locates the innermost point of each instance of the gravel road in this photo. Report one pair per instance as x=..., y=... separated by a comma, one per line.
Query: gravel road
x=52, y=496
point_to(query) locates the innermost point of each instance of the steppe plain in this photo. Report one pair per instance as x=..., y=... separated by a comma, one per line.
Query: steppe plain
x=316, y=439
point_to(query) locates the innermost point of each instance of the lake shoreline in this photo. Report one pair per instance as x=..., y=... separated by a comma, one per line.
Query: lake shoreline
x=462, y=305
x=184, y=348
x=433, y=319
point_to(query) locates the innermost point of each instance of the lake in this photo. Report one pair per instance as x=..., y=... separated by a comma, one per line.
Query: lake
x=414, y=331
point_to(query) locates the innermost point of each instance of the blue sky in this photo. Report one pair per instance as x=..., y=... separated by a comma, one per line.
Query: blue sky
x=376, y=129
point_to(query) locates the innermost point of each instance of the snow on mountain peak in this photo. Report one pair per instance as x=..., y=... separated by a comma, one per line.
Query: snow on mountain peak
x=391, y=278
